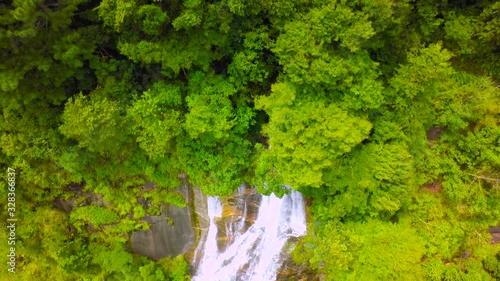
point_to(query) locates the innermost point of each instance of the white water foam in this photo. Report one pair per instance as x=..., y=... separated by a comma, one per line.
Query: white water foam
x=256, y=254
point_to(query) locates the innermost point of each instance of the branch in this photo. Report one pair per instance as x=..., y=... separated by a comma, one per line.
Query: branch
x=45, y=8
x=479, y=235
x=485, y=178
x=427, y=226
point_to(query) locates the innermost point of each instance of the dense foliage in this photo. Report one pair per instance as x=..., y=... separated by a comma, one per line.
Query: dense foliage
x=385, y=114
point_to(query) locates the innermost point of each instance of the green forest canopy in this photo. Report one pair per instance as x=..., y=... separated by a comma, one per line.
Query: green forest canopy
x=385, y=114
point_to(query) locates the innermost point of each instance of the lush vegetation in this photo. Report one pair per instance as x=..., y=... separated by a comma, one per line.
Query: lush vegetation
x=385, y=114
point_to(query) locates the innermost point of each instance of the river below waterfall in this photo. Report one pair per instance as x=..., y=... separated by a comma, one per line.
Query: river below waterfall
x=247, y=236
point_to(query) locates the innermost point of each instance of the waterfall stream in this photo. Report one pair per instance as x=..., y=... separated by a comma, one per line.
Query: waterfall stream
x=254, y=253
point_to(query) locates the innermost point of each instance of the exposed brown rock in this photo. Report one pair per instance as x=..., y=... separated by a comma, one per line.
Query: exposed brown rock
x=434, y=187
x=495, y=234
x=434, y=133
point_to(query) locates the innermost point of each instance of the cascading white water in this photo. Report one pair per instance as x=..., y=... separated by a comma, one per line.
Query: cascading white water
x=254, y=255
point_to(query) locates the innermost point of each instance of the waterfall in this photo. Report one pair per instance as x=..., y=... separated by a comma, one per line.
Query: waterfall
x=254, y=254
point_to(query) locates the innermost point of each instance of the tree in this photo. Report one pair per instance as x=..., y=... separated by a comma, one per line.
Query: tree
x=95, y=122
x=307, y=136
x=371, y=250
x=157, y=117
x=39, y=48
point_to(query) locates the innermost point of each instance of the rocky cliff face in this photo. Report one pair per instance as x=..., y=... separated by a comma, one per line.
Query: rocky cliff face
x=176, y=230
x=239, y=212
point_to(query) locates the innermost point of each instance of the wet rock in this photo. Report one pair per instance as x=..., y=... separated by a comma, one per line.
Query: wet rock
x=290, y=271
x=239, y=212
x=200, y=207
